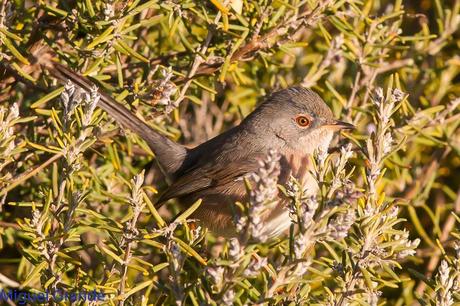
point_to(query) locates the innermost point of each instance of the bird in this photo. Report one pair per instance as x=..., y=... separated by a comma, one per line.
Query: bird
x=294, y=122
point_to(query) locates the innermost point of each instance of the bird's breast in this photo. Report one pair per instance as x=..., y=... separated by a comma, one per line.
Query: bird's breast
x=298, y=165
x=217, y=213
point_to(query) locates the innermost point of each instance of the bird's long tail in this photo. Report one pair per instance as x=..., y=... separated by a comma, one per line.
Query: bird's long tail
x=169, y=154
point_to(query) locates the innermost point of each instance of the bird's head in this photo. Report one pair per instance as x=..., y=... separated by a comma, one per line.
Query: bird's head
x=297, y=118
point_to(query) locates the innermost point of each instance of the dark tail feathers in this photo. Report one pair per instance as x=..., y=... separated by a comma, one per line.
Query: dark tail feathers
x=170, y=155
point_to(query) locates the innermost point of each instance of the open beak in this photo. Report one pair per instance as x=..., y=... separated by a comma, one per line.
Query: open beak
x=340, y=125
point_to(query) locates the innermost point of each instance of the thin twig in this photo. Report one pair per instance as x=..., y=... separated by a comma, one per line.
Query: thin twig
x=258, y=43
x=25, y=176
x=198, y=60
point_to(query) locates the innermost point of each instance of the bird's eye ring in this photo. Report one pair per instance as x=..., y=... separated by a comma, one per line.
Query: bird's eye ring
x=302, y=121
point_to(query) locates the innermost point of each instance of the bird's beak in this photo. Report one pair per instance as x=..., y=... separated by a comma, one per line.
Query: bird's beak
x=340, y=125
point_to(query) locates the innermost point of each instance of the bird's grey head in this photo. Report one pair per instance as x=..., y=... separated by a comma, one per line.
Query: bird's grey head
x=296, y=118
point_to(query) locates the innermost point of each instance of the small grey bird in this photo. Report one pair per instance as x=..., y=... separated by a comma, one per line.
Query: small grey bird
x=293, y=121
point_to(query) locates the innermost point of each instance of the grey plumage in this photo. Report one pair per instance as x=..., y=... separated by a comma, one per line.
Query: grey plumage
x=214, y=170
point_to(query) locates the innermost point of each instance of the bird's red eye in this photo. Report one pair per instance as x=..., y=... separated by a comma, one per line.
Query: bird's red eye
x=302, y=121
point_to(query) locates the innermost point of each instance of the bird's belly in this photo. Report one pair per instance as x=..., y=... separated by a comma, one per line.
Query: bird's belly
x=298, y=166
x=277, y=225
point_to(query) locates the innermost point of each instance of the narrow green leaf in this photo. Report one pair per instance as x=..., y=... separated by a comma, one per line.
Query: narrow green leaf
x=47, y=97
x=189, y=211
x=10, y=46
x=111, y=254
x=33, y=275
x=189, y=250
x=136, y=289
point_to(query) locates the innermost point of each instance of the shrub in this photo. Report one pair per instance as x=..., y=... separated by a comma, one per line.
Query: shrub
x=77, y=207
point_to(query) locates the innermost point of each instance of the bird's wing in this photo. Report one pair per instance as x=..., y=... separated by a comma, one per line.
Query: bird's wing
x=211, y=175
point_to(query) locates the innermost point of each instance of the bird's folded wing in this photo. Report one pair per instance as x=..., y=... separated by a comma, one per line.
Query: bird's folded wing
x=211, y=175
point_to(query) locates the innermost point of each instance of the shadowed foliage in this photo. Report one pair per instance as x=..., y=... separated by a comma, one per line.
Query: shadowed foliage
x=77, y=191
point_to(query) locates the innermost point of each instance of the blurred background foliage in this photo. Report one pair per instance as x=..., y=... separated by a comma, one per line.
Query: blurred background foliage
x=74, y=214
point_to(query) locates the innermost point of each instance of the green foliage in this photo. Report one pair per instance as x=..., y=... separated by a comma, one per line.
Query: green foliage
x=77, y=207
